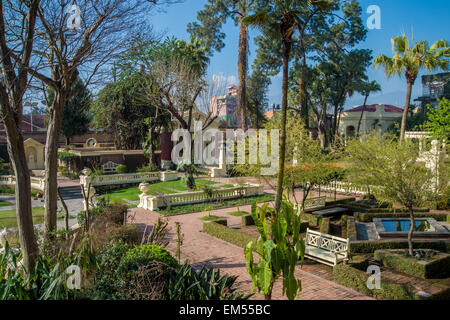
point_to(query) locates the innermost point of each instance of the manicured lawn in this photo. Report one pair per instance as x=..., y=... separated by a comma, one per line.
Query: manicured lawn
x=169, y=187
x=238, y=213
x=209, y=218
x=5, y=203
x=8, y=217
x=200, y=207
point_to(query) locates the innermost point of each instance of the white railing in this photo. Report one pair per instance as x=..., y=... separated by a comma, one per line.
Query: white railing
x=345, y=187
x=127, y=178
x=155, y=202
x=36, y=183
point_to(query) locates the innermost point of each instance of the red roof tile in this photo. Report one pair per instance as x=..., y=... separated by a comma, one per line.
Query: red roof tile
x=373, y=108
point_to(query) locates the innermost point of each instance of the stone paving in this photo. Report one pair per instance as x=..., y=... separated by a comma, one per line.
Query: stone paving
x=202, y=249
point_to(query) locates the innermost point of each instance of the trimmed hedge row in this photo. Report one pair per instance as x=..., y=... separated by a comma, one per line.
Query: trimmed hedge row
x=233, y=236
x=371, y=246
x=247, y=220
x=351, y=229
x=344, y=221
x=312, y=219
x=349, y=276
x=339, y=201
x=356, y=208
x=325, y=225
x=368, y=217
x=435, y=269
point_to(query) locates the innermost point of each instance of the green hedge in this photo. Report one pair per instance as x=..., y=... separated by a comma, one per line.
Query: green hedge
x=368, y=217
x=355, y=208
x=312, y=219
x=339, y=201
x=344, y=221
x=349, y=276
x=448, y=218
x=351, y=229
x=372, y=246
x=233, y=236
x=247, y=220
x=325, y=225
x=437, y=269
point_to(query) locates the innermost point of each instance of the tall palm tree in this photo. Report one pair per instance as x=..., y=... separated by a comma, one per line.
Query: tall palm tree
x=366, y=88
x=281, y=18
x=411, y=60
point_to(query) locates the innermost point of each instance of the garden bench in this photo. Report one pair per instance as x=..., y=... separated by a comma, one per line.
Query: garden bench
x=109, y=167
x=312, y=204
x=325, y=248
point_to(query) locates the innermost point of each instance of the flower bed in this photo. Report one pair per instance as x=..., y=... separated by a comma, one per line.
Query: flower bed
x=435, y=265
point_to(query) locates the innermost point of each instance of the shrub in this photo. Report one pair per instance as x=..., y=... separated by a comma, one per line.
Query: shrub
x=351, y=229
x=349, y=276
x=325, y=225
x=368, y=217
x=233, y=236
x=121, y=169
x=148, y=168
x=247, y=220
x=142, y=255
x=126, y=233
x=207, y=284
x=344, y=221
x=372, y=246
x=312, y=219
x=437, y=267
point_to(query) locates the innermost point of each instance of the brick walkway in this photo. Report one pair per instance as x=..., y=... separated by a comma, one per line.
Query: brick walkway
x=202, y=249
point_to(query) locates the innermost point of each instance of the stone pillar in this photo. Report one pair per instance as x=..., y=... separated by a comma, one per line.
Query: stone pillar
x=166, y=150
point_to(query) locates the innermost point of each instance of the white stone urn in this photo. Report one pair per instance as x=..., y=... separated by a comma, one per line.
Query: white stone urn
x=90, y=195
x=144, y=187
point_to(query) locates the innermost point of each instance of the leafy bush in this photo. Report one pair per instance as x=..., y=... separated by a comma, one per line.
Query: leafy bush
x=312, y=219
x=325, y=225
x=437, y=266
x=233, y=236
x=207, y=284
x=351, y=229
x=120, y=169
x=143, y=255
x=148, y=168
x=372, y=246
x=126, y=233
x=349, y=276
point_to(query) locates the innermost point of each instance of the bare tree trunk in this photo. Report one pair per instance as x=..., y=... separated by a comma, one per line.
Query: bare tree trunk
x=242, y=73
x=362, y=114
x=51, y=164
x=280, y=179
x=406, y=111
x=304, y=110
x=27, y=238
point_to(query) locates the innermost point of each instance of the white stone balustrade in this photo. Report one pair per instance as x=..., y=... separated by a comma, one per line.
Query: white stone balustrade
x=155, y=202
x=10, y=181
x=127, y=178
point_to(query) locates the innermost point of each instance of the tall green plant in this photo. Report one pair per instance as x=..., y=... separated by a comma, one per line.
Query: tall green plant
x=279, y=250
x=409, y=59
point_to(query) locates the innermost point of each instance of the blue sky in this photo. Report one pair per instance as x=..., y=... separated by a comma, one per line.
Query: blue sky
x=426, y=20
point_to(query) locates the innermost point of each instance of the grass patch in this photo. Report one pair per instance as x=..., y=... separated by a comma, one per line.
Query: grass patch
x=159, y=188
x=199, y=207
x=238, y=213
x=5, y=203
x=209, y=218
x=8, y=217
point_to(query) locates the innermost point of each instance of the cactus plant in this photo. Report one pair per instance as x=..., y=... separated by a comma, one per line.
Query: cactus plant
x=279, y=250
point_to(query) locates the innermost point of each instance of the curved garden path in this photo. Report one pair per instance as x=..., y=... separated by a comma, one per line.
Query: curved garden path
x=203, y=249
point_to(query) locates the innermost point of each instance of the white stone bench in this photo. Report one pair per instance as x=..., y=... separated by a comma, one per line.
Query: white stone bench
x=109, y=167
x=325, y=248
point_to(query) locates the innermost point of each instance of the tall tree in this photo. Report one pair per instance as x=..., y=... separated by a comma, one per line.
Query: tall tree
x=75, y=117
x=283, y=19
x=366, y=89
x=409, y=59
x=104, y=29
x=258, y=84
x=211, y=19
x=15, y=55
